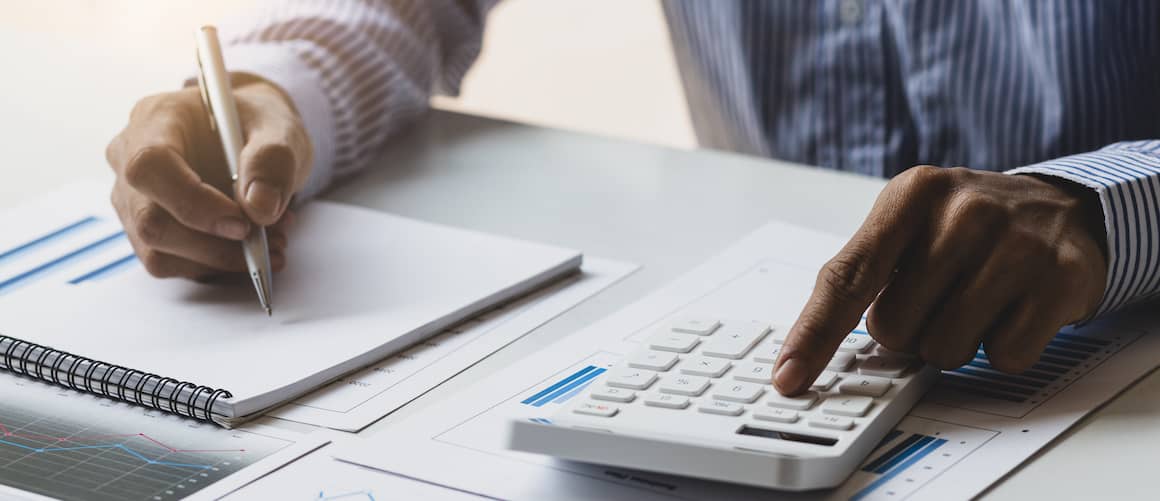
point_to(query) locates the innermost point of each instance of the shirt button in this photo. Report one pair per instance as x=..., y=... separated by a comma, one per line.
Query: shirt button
x=850, y=11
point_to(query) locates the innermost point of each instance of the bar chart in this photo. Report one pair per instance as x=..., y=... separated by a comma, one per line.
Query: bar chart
x=75, y=250
x=1071, y=354
x=911, y=455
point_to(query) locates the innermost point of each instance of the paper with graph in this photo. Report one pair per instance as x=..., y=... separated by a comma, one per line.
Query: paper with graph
x=68, y=445
x=973, y=429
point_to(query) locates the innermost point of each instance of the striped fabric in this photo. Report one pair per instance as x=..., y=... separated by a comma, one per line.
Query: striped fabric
x=869, y=86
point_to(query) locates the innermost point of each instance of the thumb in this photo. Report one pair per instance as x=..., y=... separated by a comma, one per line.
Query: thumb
x=275, y=161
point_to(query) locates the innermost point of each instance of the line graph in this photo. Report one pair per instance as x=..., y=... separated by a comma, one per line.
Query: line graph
x=10, y=440
x=68, y=445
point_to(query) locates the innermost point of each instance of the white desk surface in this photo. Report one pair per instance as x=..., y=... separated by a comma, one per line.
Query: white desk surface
x=665, y=209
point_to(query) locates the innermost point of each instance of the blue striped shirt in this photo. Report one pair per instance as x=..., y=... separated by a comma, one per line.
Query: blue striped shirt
x=1065, y=88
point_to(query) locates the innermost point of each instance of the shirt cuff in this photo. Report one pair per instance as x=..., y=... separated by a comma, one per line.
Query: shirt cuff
x=280, y=64
x=1127, y=180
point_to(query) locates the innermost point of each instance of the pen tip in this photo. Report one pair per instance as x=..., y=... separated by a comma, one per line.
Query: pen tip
x=269, y=311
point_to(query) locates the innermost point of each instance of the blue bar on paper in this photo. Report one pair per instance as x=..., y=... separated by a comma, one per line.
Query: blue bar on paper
x=893, y=452
x=582, y=381
x=568, y=396
x=915, y=447
x=565, y=381
x=43, y=239
x=930, y=447
x=1005, y=378
x=1082, y=339
x=60, y=260
x=103, y=270
x=988, y=384
x=1064, y=353
x=954, y=384
x=1085, y=348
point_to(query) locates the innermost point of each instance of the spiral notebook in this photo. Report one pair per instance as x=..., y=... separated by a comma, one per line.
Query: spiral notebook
x=359, y=286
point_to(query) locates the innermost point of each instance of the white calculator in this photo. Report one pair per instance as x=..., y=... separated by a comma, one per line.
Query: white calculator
x=696, y=400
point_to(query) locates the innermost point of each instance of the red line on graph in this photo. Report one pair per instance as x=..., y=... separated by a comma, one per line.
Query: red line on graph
x=4, y=432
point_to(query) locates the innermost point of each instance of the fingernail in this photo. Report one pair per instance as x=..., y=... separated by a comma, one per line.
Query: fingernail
x=264, y=198
x=789, y=376
x=232, y=228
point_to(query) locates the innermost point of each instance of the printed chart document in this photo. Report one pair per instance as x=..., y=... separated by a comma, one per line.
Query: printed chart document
x=355, y=401
x=67, y=445
x=972, y=429
x=360, y=285
x=318, y=477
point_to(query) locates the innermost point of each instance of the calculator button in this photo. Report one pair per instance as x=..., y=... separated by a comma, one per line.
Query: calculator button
x=698, y=326
x=842, y=360
x=735, y=340
x=856, y=343
x=865, y=385
x=595, y=409
x=800, y=402
x=884, y=366
x=824, y=381
x=684, y=385
x=613, y=394
x=767, y=351
x=776, y=415
x=832, y=422
x=753, y=373
x=721, y=407
x=653, y=360
x=738, y=392
x=674, y=342
x=705, y=366
x=630, y=378
x=847, y=406
x=666, y=400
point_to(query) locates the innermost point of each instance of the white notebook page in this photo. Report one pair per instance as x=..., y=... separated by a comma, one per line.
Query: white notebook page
x=356, y=280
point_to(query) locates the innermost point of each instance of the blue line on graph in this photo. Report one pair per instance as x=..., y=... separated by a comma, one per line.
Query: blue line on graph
x=105, y=446
x=578, y=374
x=104, y=269
x=1082, y=339
x=368, y=494
x=919, y=444
x=1004, y=378
x=60, y=260
x=914, y=458
x=892, y=453
x=43, y=239
x=583, y=381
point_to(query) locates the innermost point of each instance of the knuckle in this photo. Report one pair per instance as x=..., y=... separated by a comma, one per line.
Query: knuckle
x=156, y=264
x=846, y=276
x=150, y=224
x=143, y=164
x=924, y=178
x=974, y=206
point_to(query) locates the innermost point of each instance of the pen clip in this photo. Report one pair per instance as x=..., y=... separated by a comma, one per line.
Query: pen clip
x=205, y=94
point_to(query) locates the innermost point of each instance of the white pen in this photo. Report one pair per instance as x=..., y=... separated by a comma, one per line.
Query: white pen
x=214, y=82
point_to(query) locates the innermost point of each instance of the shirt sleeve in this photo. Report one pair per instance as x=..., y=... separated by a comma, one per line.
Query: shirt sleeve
x=357, y=71
x=1127, y=178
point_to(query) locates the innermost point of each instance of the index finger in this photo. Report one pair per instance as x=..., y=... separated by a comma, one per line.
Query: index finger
x=846, y=285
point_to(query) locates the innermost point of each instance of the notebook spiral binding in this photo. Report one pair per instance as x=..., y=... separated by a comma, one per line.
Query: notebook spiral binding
x=109, y=380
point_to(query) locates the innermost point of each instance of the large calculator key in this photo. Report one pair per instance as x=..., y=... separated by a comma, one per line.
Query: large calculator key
x=694, y=325
x=847, y=406
x=841, y=361
x=630, y=378
x=734, y=340
x=767, y=351
x=674, y=341
x=705, y=366
x=684, y=385
x=856, y=343
x=613, y=394
x=832, y=422
x=721, y=407
x=754, y=373
x=824, y=381
x=738, y=392
x=801, y=402
x=776, y=415
x=653, y=360
x=884, y=366
x=667, y=401
x=595, y=409
x=869, y=386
